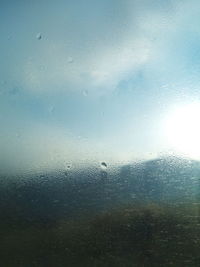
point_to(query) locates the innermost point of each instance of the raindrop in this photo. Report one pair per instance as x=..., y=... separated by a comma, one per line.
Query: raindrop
x=103, y=165
x=133, y=195
x=39, y=36
x=51, y=109
x=104, y=176
x=85, y=92
x=42, y=67
x=17, y=135
x=70, y=60
x=68, y=166
x=14, y=91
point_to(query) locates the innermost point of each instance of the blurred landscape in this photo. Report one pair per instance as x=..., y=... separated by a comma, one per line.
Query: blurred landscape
x=141, y=214
x=99, y=104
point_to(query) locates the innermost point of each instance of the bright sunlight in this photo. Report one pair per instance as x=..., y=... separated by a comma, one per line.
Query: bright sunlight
x=182, y=129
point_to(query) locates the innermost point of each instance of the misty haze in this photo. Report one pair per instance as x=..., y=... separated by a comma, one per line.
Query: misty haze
x=100, y=133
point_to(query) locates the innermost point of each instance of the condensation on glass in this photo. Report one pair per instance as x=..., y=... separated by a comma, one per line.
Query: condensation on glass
x=99, y=136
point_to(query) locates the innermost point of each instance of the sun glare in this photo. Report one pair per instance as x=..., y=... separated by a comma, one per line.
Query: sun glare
x=182, y=130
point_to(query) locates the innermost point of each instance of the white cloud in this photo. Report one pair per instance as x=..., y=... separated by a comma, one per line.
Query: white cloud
x=95, y=65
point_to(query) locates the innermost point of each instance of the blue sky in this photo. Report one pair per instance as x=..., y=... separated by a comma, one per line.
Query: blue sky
x=98, y=84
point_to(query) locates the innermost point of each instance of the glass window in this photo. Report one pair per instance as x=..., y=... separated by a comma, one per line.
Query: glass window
x=100, y=133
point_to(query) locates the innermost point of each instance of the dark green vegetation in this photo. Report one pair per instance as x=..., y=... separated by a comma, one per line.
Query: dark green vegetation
x=132, y=236
x=138, y=215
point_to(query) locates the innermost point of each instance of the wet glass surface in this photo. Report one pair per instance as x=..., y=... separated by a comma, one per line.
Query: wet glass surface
x=99, y=135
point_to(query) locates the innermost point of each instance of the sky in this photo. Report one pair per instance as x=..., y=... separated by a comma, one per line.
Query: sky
x=89, y=81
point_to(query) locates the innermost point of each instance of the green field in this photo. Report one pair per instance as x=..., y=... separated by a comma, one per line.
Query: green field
x=133, y=235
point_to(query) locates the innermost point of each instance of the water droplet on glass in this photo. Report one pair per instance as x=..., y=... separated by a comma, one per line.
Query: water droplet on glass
x=3, y=82
x=85, y=92
x=133, y=195
x=14, y=91
x=51, y=109
x=39, y=36
x=70, y=60
x=17, y=135
x=42, y=67
x=68, y=166
x=103, y=165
